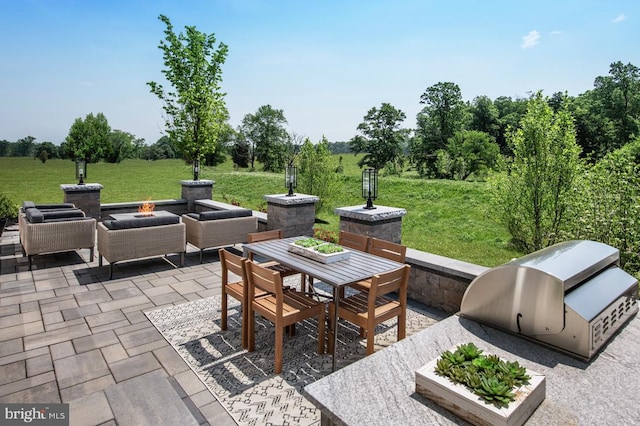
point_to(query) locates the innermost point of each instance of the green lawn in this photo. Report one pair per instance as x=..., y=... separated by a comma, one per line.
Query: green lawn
x=443, y=217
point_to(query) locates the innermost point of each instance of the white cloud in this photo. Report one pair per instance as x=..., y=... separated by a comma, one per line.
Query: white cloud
x=530, y=39
x=619, y=18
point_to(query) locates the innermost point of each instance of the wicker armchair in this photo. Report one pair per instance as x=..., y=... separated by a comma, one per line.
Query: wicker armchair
x=137, y=242
x=56, y=235
x=219, y=228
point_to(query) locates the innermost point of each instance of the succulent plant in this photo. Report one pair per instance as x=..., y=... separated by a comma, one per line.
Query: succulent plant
x=493, y=390
x=487, y=376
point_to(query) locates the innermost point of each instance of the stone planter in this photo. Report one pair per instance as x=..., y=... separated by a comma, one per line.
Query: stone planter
x=461, y=401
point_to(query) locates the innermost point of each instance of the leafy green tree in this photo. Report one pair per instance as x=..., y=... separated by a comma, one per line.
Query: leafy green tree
x=534, y=197
x=595, y=132
x=510, y=113
x=316, y=174
x=267, y=137
x=381, y=138
x=472, y=152
x=195, y=108
x=443, y=115
x=484, y=116
x=122, y=146
x=89, y=138
x=5, y=148
x=619, y=94
x=24, y=147
x=45, y=151
x=608, y=199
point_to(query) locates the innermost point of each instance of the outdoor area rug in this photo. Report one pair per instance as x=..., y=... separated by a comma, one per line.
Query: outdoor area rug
x=244, y=382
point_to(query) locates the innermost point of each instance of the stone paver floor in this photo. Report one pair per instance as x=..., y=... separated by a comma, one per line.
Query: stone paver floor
x=69, y=334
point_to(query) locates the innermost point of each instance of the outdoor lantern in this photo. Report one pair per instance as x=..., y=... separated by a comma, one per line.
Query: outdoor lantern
x=291, y=179
x=196, y=169
x=370, y=186
x=81, y=170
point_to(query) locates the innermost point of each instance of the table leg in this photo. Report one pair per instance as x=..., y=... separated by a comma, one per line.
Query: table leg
x=336, y=301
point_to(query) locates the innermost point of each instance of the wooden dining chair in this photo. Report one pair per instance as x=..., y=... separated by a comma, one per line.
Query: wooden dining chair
x=282, y=308
x=274, y=234
x=353, y=240
x=232, y=263
x=367, y=309
x=383, y=248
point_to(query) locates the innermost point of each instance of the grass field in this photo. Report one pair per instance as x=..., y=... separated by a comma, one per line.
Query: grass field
x=448, y=218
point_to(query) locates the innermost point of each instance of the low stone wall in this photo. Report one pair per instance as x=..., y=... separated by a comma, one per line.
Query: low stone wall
x=439, y=281
x=435, y=281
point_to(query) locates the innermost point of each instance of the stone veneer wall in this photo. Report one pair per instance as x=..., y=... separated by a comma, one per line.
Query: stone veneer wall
x=435, y=281
x=387, y=229
x=294, y=215
x=439, y=281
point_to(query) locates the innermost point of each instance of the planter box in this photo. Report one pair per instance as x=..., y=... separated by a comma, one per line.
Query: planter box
x=465, y=404
x=320, y=257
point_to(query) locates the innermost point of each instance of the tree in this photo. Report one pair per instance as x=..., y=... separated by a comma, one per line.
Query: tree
x=316, y=174
x=195, y=109
x=608, y=199
x=534, y=197
x=381, y=139
x=443, y=115
x=484, y=116
x=46, y=150
x=267, y=137
x=472, y=152
x=123, y=145
x=89, y=138
x=619, y=94
x=24, y=147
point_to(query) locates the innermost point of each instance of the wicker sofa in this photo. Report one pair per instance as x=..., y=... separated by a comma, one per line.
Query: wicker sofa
x=219, y=228
x=54, y=228
x=140, y=237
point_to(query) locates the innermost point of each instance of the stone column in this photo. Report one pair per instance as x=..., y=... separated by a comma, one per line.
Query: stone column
x=193, y=190
x=295, y=215
x=86, y=197
x=382, y=222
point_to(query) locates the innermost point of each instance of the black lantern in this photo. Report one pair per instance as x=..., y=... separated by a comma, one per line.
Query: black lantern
x=196, y=169
x=370, y=186
x=81, y=170
x=291, y=179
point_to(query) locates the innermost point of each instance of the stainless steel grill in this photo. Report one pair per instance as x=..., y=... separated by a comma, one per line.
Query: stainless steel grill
x=572, y=296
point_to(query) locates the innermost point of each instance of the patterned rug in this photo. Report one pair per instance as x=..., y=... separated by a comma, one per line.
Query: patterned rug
x=244, y=382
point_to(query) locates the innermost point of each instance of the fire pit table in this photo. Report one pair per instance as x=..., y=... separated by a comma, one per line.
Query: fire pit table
x=130, y=236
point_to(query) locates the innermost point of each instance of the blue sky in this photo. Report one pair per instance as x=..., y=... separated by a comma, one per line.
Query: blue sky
x=324, y=63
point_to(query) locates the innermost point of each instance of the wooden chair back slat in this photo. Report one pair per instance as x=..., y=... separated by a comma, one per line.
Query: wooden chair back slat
x=387, y=249
x=354, y=241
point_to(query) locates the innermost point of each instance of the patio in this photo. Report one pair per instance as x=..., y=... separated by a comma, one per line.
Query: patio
x=69, y=334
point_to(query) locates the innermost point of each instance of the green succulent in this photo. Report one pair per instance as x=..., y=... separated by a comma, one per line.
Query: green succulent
x=308, y=242
x=328, y=248
x=514, y=370
x=487, y=376
x=493, y=390
x=469, y=351
x=443, y=366
x=454, y=357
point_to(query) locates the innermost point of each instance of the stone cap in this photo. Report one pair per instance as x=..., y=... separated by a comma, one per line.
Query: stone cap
x=286, y=200
x=201, y=182
x=373, y=215
x=87, y=187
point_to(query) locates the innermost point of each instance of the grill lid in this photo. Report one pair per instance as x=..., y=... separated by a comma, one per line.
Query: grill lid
x=527, y=295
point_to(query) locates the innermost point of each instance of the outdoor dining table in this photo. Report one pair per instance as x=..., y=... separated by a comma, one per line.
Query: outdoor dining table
x=359, y=266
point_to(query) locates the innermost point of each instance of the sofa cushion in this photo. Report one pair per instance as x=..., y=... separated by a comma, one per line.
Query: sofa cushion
x=67, y=219
x=35, y=215
x=225, y=214
x=141, y=222
x=26, y=205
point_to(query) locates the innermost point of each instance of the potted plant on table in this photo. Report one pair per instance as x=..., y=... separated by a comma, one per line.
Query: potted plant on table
x=8, y=210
